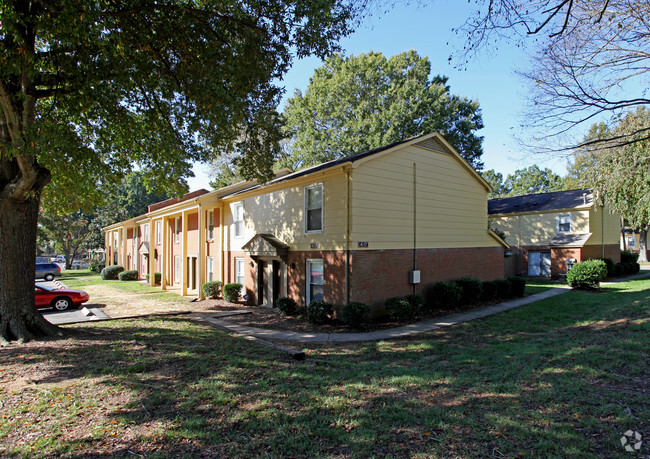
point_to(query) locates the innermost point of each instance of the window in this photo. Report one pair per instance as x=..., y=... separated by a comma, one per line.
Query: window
x=145, y=265
x=315, y=278
x=210, y=225
x=210, y=273
x=239, y=270
x=177, y=229
x=631, y=241
x=539, y=263
x=564, y=223
x=238, y=217
x=145, y=233
x=314, y=208
x=158, y=233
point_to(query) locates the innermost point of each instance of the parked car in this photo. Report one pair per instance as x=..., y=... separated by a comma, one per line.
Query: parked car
x=59, y=299
x=79, y=264
x=58, y=259
x=47, y=271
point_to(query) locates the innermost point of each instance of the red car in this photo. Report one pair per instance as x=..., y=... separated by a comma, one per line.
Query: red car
x=59, y=299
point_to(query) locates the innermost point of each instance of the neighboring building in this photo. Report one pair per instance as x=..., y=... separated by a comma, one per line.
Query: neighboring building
x=549, y=232
x=631, y=239
x=362, y=228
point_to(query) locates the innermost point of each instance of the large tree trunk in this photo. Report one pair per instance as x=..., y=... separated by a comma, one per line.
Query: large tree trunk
x=19, y=318
x=643, y=244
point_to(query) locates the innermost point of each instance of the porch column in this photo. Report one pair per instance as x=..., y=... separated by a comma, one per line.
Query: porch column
x=202, y=243
x=152, y=254
x=122, y=238
x=164, y=255
x=184, y=254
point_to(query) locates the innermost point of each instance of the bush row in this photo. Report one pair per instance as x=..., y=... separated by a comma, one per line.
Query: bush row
x=589, y=273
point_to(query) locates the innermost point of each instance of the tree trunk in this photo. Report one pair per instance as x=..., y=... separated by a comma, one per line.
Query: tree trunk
x=643, y=244
x=19, y=318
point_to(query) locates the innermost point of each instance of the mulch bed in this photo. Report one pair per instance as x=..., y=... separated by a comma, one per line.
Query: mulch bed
x=271, y=319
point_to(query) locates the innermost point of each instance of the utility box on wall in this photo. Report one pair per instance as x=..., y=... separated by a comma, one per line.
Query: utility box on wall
x=414, y=277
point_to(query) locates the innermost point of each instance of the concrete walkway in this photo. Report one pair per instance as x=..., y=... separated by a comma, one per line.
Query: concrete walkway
x=400, y=332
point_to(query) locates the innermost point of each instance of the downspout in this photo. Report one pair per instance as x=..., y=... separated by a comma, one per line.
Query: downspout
x=602, y=230
x=415, y=220
x=348, y=178
x=221, y=237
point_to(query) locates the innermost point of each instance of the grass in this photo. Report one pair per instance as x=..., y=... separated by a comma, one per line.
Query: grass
x=562, y=377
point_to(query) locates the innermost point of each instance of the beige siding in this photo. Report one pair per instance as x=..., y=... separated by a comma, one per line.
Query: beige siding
x=281, y=212
x=599, y=216
x=451, y=209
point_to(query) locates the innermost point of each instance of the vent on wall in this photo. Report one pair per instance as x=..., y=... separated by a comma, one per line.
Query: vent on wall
x=433, y=145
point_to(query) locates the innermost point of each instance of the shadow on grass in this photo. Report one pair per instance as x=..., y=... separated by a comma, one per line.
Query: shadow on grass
x=551, y=378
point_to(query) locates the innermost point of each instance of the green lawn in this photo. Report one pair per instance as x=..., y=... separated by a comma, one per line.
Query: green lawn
x=562, y=377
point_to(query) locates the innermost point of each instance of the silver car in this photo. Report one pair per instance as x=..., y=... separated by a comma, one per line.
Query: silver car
x=47, y=271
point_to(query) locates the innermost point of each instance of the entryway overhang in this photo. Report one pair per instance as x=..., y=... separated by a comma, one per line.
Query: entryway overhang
x=144, y=248
x=266, y=245
x=570, y=240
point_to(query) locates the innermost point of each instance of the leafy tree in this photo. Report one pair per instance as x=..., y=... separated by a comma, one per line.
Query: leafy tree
x=88, y=89
x=620, y=174
x=67, y=232
x=495, y=179
x=531, y=180
x=591, y=59
x=357, y=103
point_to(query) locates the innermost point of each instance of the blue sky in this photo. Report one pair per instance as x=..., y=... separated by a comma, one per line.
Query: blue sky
x=490, y=79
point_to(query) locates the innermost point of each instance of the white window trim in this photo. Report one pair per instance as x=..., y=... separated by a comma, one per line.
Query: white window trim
x=158, y=232
x=234, y=220
x=177, y=229
x=322, y=206
x=210, y=223
x=209, y=269
x=308, y=276
x=241, y=275
x=559, y=219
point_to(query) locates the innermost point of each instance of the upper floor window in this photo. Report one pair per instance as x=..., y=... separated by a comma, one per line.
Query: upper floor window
x=177, y=229
x=564, y=223
x=158, y=233
x=210, y=225
x=238, y=218
x=314, y=208
x=145, y=233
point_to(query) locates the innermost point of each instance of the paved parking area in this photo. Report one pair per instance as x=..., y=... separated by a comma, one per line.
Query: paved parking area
x=73, y=315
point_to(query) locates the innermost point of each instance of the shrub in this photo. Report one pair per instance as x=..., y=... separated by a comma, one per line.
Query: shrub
x=611, y=266
x=517, y=285
x=442, y=295
x=232, y=292
x=416, y=300
x=211, y=289
x=619, y=269
x=287, y=306
x=629, y=257
x=503, y=288
x=400, y=309
x=356, y=315
x=111, y=272
x=96, y=266
x=630, y=268
x=635, y=268
x=587, y=274
x=319, y=312
x=471, y=289
x=129, y=275
x=156, y=278
x=489, y=291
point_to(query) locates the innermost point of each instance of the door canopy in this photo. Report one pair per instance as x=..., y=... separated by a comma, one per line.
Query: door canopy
x=266, y=245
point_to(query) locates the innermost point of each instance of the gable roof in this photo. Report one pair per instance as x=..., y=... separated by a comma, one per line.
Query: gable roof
x=172, y=201
x=418, y=140
x=542, y=202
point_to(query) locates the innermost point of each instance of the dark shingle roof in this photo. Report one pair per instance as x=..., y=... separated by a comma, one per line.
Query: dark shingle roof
x=558, y=200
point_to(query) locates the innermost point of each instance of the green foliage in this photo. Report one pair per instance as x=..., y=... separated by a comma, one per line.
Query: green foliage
x=67, y=233
x=129, y=275
x=619, y=269
x=517, y=286
x=356, y=315
x=319, y=312
x=495, y=179
x=532, y=180
x=442, y=295
x=287, y=306
x=232, y=292
x=611, y=266
x=587, y=274
x=212, y=289
x=111, y=272
x=96, y=266
x=416, y=300
x=630, y=268
x=358, y=103
x=489, y=291
x=629, y=257
x=400, y=309
x=503, y=288
x=470, y=290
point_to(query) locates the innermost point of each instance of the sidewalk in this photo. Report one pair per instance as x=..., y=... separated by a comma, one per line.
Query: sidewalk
x=408, y=330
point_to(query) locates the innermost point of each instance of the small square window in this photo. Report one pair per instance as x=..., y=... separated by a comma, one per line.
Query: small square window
x=564, y=223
